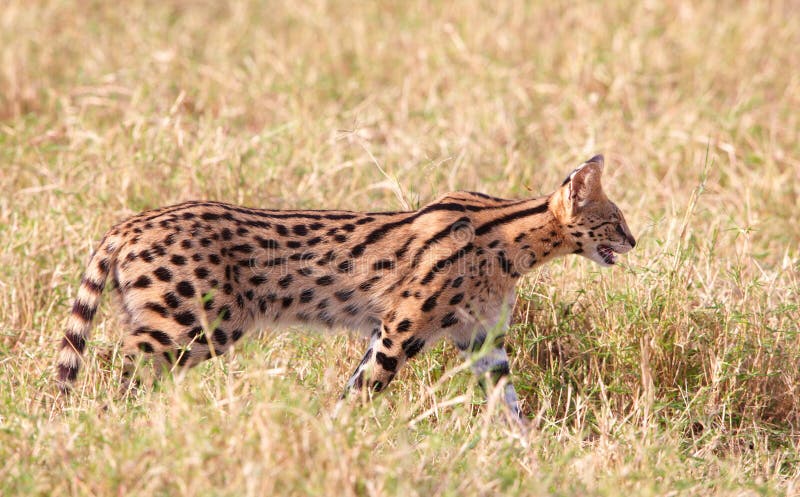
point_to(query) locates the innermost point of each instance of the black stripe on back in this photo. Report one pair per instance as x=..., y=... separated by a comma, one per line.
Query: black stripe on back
x=462, y=221
x=508, y=218
x=445, y=263
x=382, y=231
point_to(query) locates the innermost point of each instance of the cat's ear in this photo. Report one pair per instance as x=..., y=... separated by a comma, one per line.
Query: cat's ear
x=583, y=184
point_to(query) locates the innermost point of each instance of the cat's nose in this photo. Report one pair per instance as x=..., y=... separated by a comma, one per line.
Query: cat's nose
x=632, y=240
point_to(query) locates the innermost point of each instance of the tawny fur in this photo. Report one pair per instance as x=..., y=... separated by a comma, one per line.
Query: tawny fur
x=192, y=279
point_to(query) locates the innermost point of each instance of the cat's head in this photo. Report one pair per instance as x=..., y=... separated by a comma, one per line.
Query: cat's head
x=592, y=221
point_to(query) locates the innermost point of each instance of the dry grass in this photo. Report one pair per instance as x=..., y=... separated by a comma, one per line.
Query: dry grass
x=675, y=373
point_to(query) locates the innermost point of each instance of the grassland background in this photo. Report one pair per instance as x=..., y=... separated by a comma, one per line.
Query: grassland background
x=675, y=373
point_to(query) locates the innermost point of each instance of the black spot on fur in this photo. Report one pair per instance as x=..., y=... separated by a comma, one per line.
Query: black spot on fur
x=457, y=298
x=186, y=289
x=344, y=295
x=367, y=285
x=328, y=257
x=306, y=295
x=412, y=346
x=505, y=264
x=195, y=333
x=208, y=304
x=345, y=266
x=449, y=320
x=201, y=272
x=220, y=337
x=285, y=281
x=145, y=347
x=384, y=264
x=142, y=281
x=386, y=362
x=185, y=318
x=163, y=273
x=243, y=248
x=172, y=300
x=157, y=308
x=325, y=280
x=305, y=256
x=146, y=256
x=429, y=304
x=404, y=325
x=160, y=337
x=267, y=243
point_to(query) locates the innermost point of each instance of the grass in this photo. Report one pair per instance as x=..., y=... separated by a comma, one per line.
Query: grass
x=674, y=373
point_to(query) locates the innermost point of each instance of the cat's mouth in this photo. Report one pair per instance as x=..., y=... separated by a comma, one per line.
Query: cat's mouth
x=607, y=253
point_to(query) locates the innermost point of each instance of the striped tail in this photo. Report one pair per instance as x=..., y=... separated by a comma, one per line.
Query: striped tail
x=83, y=310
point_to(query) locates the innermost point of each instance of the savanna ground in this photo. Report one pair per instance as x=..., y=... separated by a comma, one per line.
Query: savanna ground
x=674, y=373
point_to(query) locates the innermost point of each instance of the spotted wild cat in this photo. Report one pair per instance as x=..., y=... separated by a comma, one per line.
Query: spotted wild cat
x=192, y=279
